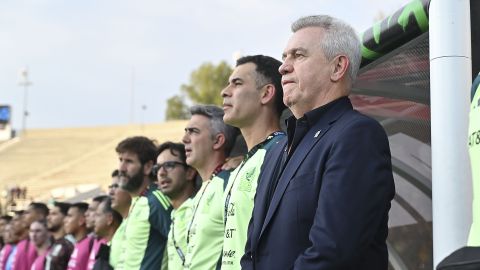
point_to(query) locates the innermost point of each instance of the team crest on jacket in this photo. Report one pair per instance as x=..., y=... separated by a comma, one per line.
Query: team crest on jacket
x=246, y=183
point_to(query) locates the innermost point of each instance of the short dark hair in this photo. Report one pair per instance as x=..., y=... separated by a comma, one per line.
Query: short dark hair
x=99, y=199
x=115, y=173
x=63, y=206
x=267, y=72
x=108, y=209
x=81, y=206
x=176, y=149
x=42, y=221
x=39, y=208
x=142, y=146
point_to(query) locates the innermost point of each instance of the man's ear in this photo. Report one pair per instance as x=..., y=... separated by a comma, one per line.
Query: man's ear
x=191, y=173
x=340, y=66
x=267, y=93
x=82, y=220
x=147, y=167
x=219, y=141
x=109, y=219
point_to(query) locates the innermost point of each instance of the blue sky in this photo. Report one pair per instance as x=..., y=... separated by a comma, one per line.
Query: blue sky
x=81, y=54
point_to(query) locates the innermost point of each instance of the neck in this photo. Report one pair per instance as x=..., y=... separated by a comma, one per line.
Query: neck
x=124, y=211
x=60, y=233
x=145, y=184
x=110, y=234
x=216, y=159
x=258, y=132
x=335, y=92
x=82, y=233
x=178, y=200
x=43, y=248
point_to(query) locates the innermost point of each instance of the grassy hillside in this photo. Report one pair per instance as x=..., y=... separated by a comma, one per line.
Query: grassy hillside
x=45, y=159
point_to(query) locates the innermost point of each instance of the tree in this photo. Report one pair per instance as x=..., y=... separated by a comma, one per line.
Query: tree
x=206, y=83
x=176, y=108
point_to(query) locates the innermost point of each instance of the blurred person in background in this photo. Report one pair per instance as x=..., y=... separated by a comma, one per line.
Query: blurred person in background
x=90, y=214
x=11, y=241
x=59, y=255
x=121, y=201
x=176, y=180
x=75, y=224
x=16, y=234
x=107, y=221
x=42, y=241
x=4, y=220
x=26, y=252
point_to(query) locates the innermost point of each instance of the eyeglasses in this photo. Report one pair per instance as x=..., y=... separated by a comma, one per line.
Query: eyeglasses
x=167, y=165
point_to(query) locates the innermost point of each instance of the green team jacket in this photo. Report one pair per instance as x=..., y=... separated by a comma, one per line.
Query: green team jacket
x=238, y=201
x=474, y=148
x=178, y=231
x=146, y=232
x=205, y=230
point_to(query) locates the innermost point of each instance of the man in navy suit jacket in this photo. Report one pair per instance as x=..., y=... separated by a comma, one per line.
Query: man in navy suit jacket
x=324, y=194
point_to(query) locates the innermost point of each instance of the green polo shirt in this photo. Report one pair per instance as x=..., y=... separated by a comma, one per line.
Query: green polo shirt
x=474, y=148
x=178, y=232
x=239, y=195
x=205, y=231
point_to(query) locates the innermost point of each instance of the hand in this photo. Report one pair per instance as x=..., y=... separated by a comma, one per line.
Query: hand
x=232, y=162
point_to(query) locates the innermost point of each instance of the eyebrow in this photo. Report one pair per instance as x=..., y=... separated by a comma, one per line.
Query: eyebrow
x=292, y=51
x=236, y=80
x=190, y=129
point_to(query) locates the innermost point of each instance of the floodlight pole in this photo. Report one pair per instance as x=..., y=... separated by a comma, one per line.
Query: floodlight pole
x=450, y=81
x=25, y=83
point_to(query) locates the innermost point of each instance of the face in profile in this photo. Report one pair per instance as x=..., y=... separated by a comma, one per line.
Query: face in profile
x=241, y=97
x=103, y=220
x=131, y=171
x=121, y=200
x=90, y=214
x=74, y=220
x=198, y=140
x=55, y=219
x=305, y=70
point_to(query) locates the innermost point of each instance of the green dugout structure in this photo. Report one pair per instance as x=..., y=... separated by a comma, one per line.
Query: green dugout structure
x=417, y=70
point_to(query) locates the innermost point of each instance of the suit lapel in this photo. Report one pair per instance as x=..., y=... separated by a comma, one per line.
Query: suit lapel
x=313, y=136
x=291, y=168
x=260, y=209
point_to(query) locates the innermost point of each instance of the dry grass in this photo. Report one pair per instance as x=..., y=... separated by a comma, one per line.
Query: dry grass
x=46, y=159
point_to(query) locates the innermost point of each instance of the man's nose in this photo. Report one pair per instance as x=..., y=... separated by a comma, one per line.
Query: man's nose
x=285, y=68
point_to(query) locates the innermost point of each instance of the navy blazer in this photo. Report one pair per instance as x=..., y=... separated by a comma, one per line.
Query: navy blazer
x=330, y=207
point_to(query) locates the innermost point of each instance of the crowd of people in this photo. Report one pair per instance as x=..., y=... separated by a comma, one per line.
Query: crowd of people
x=314, y=197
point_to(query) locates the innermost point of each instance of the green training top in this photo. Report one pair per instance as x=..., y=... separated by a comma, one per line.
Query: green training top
x=238, y=202
x=474, y=147
x=146, y=232
x=178, y=234
x=205, y=231
x=118, y=240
